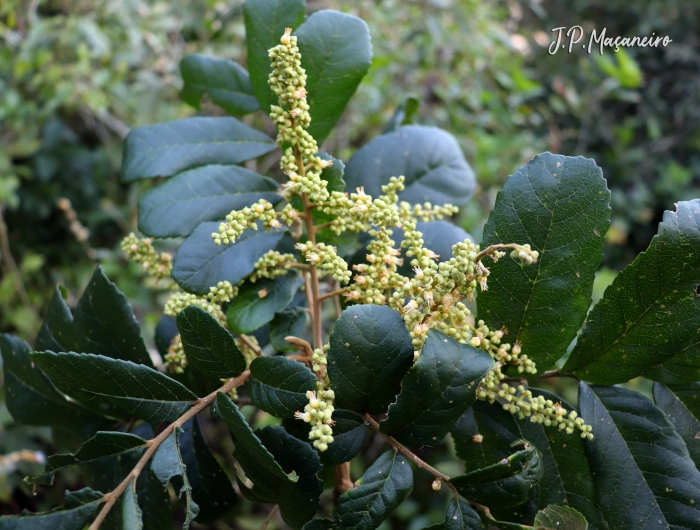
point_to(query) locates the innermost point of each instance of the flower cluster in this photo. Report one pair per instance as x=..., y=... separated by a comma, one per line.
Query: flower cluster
x=319, y=411
x=271, y=265
x=142, y=252
x=175, y=360
x=238, y=222
x=222, y=292
x=325, y=258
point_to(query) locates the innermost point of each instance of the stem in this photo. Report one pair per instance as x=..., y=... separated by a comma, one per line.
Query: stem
x=315, y=297
x=302, y=266
x=270, y=517
x=491, y=248
x=251, y=344
x=410, y=455
x=342, y=480
x=153, y=445
x=320, y=227
x=334, y=293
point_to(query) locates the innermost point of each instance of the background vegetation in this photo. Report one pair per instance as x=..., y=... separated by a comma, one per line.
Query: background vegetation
x=76, y=75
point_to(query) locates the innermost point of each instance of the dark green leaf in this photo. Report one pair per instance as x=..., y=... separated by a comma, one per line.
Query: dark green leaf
x=168, y=463
x=200, y=264
x=246, y=441
x=208, y=345
x=429, y=158
x=403, y=114
x=319, y=524
x=336, y=52
x=32, y=399
x=131, y=512
x=211, y=488
x=461, y=516
x=102, y=445
x=384, y=486
x=436, y=391
x=154, y=501
x=567, y=478
x=561, y=207
x=681, y=404
x=349, y=434
x=103, y=324
x=644, y=475
x=257, y=303
x=559, y=518
x=206, y=193
x=370, y=351
x=140, y=391
x=265, y=21
x=279, y=385
x=292, y=321
x=75, y=513
x=164, y=149
x=650, y=314
x=226, y=82
x=166, y=331
x=504, y=484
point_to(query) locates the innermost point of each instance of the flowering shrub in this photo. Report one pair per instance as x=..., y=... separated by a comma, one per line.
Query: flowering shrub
x=406, y=360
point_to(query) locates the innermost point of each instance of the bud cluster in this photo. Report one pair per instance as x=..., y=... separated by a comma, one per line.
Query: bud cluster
x=271, y=265
x=142, y=252
x=319, y=411
x=239, y=221
x=175, y=360
x=222, y=292
x=326, y=260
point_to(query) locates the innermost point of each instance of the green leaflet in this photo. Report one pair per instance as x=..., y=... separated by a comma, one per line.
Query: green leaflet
x=370, y=351
x=140, y=391
x=245, y=439
x=200, y=264
x=207, y=193
x=265, y=21
x=225, y=82
x=430, y=159
x=639, y=462
x=131, y=512
x=506, y=483
x=167, y=148
x=211, y=487
x=567, y=478
x=681, y=404
x=561, y=207
x=648, y=321
x=208, y=345
x=167, y=463
x=559, y=517
x=154, y=501
x=106, y=328
x=336, y=52
x=75, y=513
x=102, y=445
x=459, y=516
x=279, y=385
x=436, y=391
x=385, y=485
x=257, y=303
x=291, y=321
x=32, y=399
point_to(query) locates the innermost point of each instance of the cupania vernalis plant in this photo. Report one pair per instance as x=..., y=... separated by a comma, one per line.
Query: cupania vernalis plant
x=364, y=250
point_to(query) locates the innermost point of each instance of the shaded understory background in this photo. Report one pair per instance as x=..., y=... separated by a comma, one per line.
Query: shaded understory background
x=76, y=75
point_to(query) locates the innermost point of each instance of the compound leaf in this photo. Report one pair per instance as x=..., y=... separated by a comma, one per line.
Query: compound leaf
x=208, y=345
x=265, y=22
x=225, y=82
x=167, y=148
x=336, y=51
x=279, y=385
x=370, y=351
x=140, y=391
x=385, y=485
x=257, y=303
x=436, y=391
x=560, y=206
x=639, y=462
x=648, y=321
x=75, y=513
x=504, y=484
x=207, y=193
x=199, y=263
x=430, y=159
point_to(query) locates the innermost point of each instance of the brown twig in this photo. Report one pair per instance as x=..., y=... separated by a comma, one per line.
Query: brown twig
x=302, y=266
x=409, y=454
x=251, y=344
x=491, y=248
x=334, y=293
x=270, y=517
x=153, y=445
x=302, y=345
x=318, y=228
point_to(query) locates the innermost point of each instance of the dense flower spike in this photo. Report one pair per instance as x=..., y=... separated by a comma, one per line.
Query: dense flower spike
x=319, y=411
x=271, y=265
x=222, y=292
x=324, y=257
x=142, y=252
x=238, y=222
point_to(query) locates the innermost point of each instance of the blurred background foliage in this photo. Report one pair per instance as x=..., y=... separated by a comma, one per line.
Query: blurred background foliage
x=76, y=75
